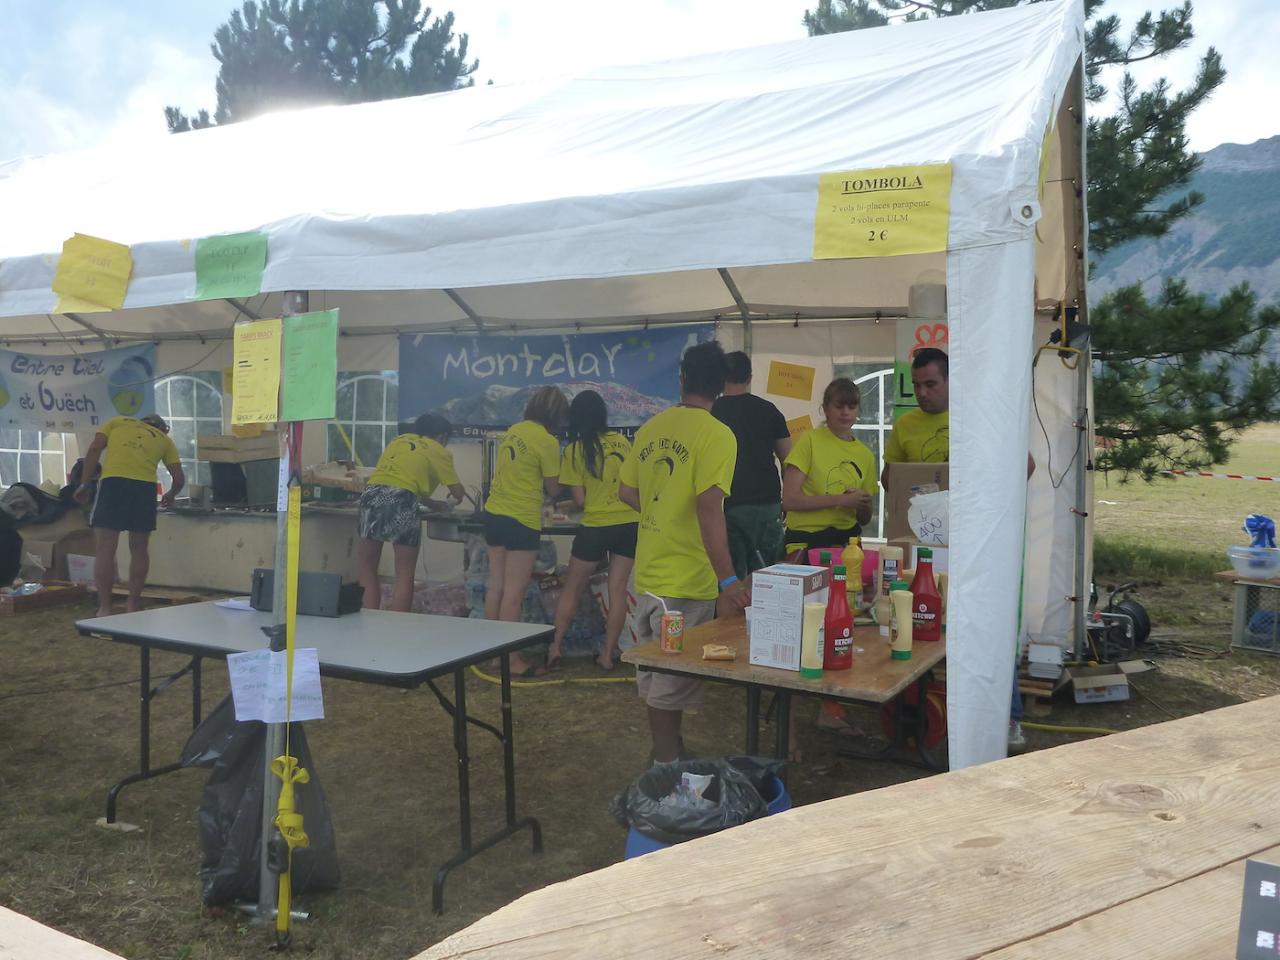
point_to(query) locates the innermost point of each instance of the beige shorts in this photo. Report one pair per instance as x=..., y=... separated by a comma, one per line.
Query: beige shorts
x=667, y=691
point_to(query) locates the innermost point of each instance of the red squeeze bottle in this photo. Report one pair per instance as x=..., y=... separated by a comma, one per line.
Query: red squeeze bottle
x=926, y=602
x=838, y=625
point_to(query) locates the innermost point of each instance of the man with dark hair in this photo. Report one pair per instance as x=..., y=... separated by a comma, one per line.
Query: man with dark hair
x=677, y=475
x=753, y=511
x=129, y=450
x=924, y=435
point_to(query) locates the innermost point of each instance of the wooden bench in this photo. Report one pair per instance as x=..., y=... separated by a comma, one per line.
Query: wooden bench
x=1126, y=846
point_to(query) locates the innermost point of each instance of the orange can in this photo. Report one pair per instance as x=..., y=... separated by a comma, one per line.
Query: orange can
x=673, y=632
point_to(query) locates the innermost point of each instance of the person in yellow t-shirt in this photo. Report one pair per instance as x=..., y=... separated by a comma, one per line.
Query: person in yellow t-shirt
x=923, y=435
x=528, y=469
x=409, y=470
x=130, y=451
x=589, y=470
x=678, y=473
x=829, y=478
x=827, y=487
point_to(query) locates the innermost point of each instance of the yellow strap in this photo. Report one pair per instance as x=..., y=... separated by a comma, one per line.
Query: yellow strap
x=355, y=457
x=288, y=821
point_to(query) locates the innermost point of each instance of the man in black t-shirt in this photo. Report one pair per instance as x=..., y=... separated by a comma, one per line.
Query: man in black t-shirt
x=753, y=511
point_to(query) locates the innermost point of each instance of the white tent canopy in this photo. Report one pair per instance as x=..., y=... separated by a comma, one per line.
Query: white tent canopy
x=679, y=190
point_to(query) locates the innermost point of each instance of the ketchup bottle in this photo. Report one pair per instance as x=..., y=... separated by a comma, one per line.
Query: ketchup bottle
x=838, y=625
x=926, y=605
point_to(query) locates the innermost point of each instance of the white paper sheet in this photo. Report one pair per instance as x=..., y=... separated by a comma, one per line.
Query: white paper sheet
x=258, y=685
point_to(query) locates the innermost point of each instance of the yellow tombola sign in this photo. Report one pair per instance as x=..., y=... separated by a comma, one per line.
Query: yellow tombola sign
x=887, y=212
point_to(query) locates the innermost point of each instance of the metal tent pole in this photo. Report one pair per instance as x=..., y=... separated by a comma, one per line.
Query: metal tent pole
x=295, y=302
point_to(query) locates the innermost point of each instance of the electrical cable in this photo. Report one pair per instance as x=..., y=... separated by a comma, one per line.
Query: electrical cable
x=1081, y=430
x=556, y=682
x=1054, y=728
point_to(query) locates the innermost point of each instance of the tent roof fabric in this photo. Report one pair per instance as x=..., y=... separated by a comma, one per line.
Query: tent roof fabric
x=677, y=167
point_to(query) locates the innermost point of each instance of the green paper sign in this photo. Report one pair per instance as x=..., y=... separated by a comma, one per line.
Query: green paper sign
x=310, y=382
x=230, y=266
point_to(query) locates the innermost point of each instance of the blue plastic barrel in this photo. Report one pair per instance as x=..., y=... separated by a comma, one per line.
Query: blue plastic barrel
x=775, y=794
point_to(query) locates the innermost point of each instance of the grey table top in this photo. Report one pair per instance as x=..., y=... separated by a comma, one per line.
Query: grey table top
x=377, y=646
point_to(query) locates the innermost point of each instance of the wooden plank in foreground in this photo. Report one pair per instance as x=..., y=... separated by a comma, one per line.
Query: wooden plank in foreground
x=22, y=938
x=1197, y=919
x=955, y=866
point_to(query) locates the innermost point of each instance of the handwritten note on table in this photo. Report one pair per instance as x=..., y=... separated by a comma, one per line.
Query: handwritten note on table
x=92, y=275
x=258, y=685
x=256, y=372
x=230, y=266
x=310, y=366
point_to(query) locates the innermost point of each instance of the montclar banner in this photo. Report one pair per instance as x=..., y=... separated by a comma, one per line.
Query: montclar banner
x=485, y=381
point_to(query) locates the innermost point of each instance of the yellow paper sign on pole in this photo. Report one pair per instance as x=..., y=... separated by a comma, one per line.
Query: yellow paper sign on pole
x=92, y=274
x=799, y=425
x=255, y=389
x=888, y=212
x=792, y=380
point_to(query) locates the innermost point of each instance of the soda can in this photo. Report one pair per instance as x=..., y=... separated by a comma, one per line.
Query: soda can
x=673, y=632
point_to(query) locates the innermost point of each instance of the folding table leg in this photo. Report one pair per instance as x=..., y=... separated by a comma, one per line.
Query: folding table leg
x=470, y=849
x=145, y=696
x=753, y=720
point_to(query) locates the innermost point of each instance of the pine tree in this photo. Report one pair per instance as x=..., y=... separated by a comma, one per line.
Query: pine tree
x=279, y=54
x=1177, y=377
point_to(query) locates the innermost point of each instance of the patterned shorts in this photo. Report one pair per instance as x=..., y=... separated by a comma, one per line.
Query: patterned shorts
x=390, y=514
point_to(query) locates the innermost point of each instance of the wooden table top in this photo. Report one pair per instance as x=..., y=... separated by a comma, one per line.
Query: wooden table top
x=1230, y=576
x=874, y=677
x=1131, y=845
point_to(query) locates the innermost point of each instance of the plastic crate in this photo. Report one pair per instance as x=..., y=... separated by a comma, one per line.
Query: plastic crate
x=1255, y=621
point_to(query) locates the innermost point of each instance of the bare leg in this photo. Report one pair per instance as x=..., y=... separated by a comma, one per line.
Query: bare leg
x=664, y=727
x=139, y=564
x=104, y=566
x=570, y=593
x=406, y=558
x=497, y=582
x=369, y=555
x=619, y=572
x=517, y=572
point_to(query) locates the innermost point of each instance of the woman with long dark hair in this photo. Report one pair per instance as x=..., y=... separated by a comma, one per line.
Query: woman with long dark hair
x=527, y=471
x=589, y=469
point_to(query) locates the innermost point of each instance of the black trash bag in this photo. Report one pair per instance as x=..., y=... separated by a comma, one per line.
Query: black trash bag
x=736, y=793
x=231, y=810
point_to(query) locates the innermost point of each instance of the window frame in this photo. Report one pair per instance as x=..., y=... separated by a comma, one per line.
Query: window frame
x=196, y=470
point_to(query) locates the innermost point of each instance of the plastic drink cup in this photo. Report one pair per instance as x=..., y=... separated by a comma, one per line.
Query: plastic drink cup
x=673, y=632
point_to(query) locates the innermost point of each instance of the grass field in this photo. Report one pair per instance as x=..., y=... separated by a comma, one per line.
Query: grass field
x=68, y=728
x=1180, y=525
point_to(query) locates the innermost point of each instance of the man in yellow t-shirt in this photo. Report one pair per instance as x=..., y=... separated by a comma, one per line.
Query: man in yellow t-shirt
x=924, y=435
x=677, y=475
x=126, y=497
x=409, y=470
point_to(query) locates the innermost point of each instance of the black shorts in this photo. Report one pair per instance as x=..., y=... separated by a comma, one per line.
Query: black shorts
x=124, y=504
x=508, y=532
x=617, y=540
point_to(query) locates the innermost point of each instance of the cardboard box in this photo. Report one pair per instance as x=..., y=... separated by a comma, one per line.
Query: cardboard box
x=50, y=543
x=226, y=448
x=778, y=596
x=903, y=481
x=1107, y=683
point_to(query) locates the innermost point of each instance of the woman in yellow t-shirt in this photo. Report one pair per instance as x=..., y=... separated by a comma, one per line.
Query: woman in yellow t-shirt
x=827, y=486
x=409, y=470
x=589, y=469
x=829, y=477
x=528, y=469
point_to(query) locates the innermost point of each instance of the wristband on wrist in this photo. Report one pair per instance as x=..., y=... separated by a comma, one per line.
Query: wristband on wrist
x=732, y=578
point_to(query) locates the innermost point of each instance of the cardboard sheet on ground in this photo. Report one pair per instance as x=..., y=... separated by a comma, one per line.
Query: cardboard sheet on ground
x=258, y=685
x=230, y=265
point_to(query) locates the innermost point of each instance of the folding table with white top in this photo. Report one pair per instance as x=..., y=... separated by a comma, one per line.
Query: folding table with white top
x=372, y=646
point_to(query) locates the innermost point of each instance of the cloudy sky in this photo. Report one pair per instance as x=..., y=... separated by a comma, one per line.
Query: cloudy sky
x=78, y=74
